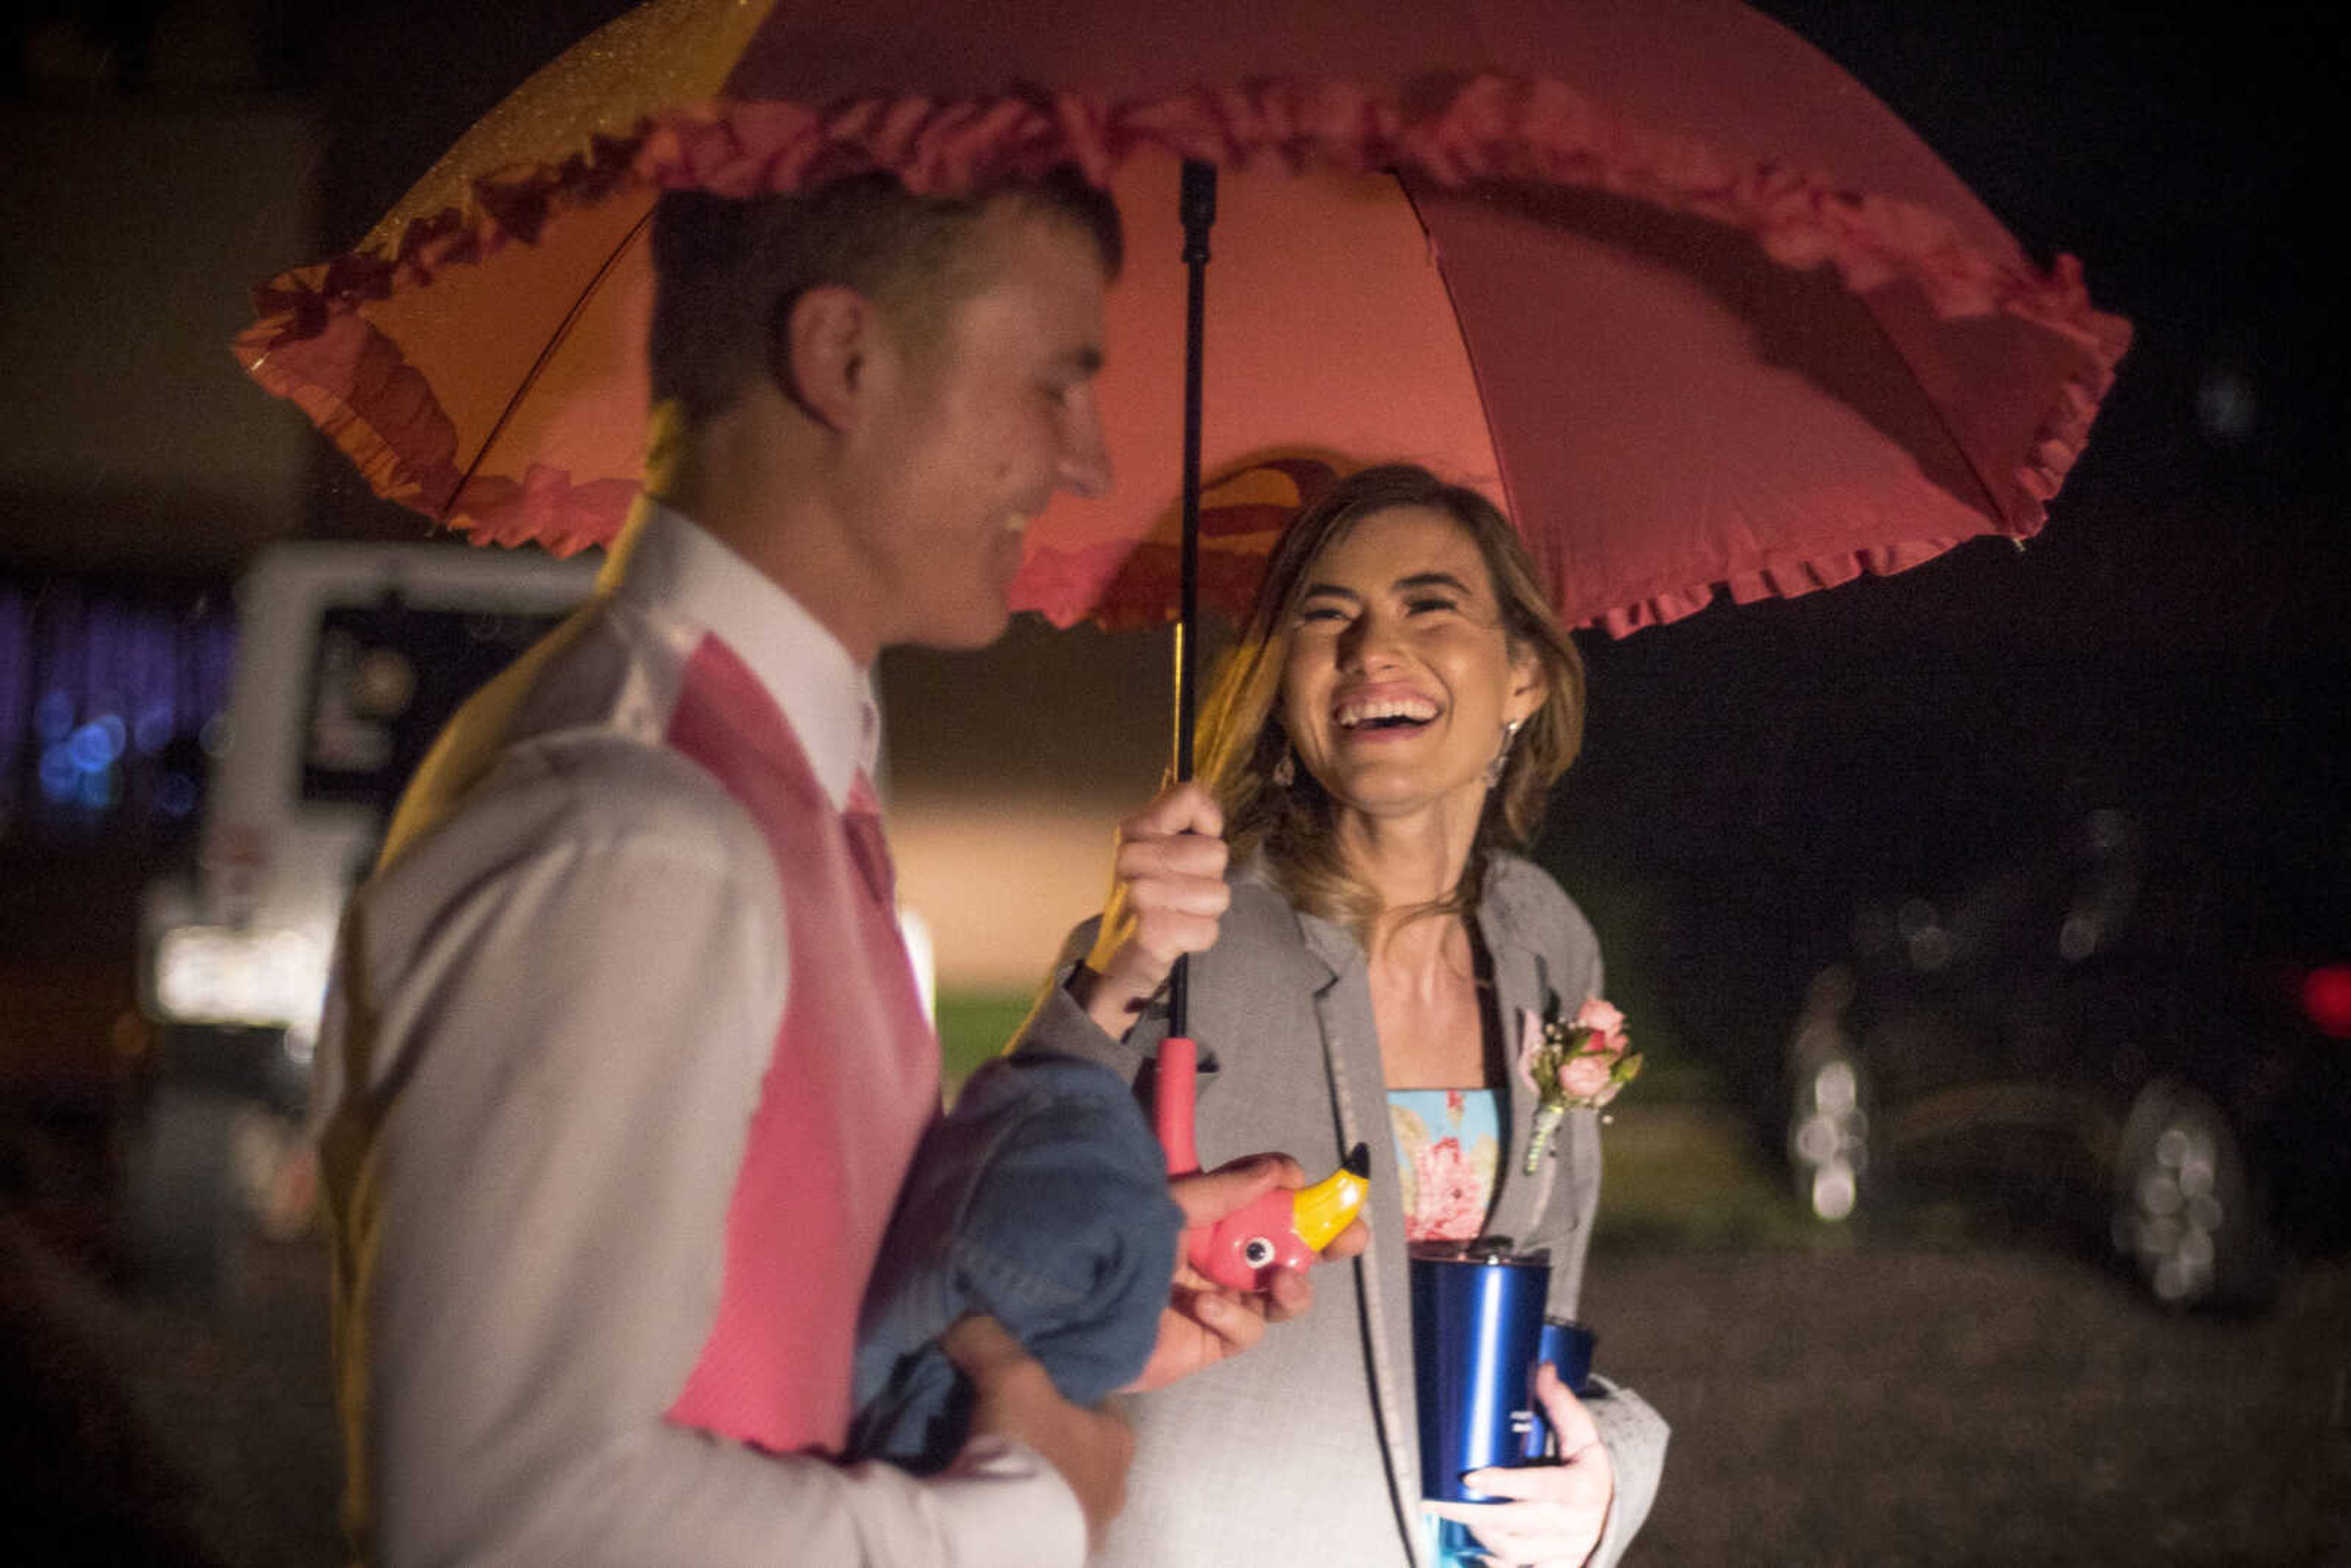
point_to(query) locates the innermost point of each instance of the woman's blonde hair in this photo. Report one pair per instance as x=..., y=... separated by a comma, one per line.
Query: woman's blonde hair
x=1242, y=740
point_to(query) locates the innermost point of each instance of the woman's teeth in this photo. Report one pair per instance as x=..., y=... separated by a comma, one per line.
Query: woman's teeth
x=1385, y=713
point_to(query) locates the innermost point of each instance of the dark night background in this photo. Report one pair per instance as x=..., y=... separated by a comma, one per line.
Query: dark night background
x=2177, y=153
x=2173, y=643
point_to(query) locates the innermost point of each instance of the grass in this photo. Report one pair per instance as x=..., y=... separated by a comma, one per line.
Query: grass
x=1688, y=1174
x=975, y=1026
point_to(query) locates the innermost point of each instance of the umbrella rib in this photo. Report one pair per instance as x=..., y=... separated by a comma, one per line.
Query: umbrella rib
x=530, y=378
x=1988, y=492
x=1993, y=508
x=1477, y=376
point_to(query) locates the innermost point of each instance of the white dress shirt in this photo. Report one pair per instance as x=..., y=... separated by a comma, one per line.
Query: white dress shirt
x=553, y=1009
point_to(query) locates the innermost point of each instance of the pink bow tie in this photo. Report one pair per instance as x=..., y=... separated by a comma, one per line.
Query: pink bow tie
x=867, y=844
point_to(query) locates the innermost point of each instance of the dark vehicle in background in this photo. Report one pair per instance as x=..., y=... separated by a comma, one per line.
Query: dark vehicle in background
x=2052, y=934
x=2139, y=1032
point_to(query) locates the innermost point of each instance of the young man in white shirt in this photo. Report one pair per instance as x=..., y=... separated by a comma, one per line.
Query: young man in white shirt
x=623, y=1069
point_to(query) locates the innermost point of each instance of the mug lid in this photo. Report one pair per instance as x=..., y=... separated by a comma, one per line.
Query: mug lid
x=1488, y=1250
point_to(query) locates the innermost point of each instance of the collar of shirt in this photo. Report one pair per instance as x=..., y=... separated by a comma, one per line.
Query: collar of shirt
x=826, y=698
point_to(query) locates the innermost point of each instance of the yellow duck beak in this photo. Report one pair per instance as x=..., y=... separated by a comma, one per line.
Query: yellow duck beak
x=1319, y=1212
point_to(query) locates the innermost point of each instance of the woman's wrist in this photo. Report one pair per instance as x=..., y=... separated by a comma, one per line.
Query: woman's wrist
x=1113, y=1014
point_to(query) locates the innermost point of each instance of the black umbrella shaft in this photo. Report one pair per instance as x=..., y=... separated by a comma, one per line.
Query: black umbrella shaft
x=1198, y=210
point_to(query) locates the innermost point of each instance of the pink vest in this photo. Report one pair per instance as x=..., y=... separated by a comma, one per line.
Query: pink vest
x=852, y=1081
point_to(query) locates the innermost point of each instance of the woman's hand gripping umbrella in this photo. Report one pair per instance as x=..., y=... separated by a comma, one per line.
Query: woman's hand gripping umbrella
x=1244, y=1256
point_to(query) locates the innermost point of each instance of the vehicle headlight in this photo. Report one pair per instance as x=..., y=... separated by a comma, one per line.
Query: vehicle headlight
x=214, y=974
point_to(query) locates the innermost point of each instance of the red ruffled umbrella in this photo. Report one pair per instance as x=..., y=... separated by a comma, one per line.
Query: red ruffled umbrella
x=1700, y=309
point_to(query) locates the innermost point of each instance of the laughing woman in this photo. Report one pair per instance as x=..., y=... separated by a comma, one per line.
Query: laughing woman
x=1377, y=750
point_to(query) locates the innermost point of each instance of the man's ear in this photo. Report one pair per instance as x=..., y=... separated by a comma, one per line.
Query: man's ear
x=822, y=351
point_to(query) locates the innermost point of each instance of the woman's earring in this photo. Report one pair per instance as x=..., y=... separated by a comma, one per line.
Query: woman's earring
x=1502, y=758
x=1285, y=773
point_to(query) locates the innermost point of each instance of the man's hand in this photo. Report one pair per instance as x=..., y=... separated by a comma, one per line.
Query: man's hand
x=1562, y=1508
x=1205, y=1323
x=1091, y=1448
x=1167, y=895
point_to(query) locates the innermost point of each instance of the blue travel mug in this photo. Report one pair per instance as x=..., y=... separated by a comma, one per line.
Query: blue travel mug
x=1476, y=1329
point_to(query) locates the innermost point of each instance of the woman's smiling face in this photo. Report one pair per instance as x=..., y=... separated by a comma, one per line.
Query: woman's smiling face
x=1399, y=676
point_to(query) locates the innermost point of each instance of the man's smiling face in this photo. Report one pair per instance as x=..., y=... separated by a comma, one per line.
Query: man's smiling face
x=979, y=427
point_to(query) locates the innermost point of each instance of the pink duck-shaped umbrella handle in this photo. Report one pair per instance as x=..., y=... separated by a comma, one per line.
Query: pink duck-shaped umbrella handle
x=1284, y=1228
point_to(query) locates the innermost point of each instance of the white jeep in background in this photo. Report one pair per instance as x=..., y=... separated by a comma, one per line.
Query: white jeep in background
x=349, y=659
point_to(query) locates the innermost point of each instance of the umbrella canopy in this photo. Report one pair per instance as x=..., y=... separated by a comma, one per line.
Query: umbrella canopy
x=1698, y=309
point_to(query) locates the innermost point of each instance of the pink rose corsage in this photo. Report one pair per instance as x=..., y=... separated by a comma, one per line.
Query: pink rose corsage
x=1572, y=1064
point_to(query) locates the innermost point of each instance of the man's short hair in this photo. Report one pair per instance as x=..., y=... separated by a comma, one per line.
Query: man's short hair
x=728, y=271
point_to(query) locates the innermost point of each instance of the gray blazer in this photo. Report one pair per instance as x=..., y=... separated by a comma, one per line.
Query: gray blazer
x=1308, y=1444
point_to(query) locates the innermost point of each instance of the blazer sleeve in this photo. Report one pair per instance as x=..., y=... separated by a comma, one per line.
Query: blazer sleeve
x=1630, y=1427
x=1634, y=1436
x=1059, y=1025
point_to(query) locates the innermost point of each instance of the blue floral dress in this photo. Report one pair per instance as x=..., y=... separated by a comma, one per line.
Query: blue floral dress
x=1448, y=1143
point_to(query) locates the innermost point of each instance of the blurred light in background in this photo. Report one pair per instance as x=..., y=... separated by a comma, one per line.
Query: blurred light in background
x=2226, y=405
x=2327, y=1000
x=1924, y=935
x=1828, y=1131
x=216, y=973
x=1830, y=1136
x=106, y=695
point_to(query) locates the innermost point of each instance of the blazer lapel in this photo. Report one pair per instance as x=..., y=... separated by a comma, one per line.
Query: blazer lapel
x=1350, y=1049
x=1519, y=988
